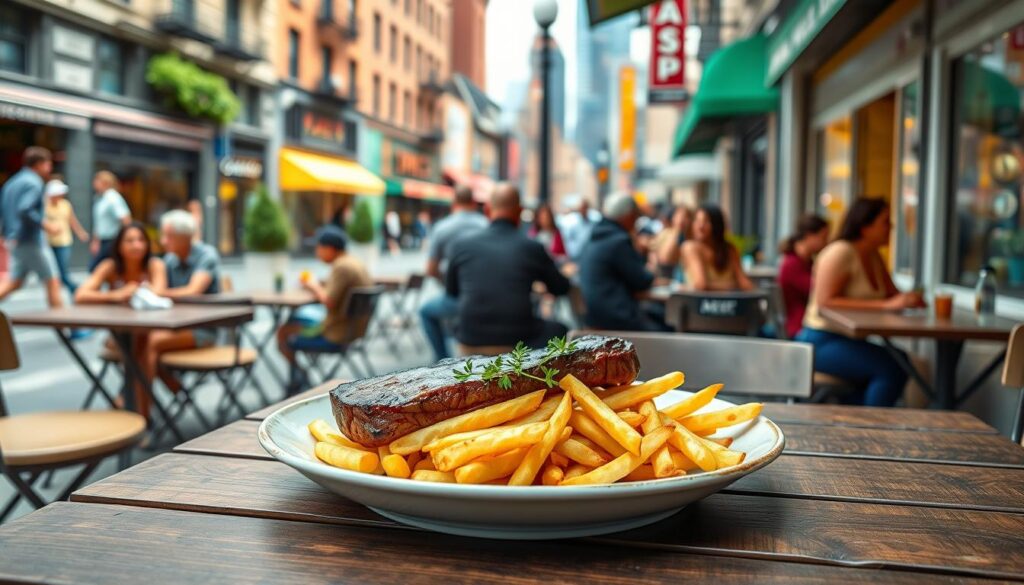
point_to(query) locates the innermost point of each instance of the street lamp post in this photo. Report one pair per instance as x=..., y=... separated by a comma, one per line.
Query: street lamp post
x=545, y=12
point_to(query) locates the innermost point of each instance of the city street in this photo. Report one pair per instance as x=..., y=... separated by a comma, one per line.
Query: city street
x=50, y=380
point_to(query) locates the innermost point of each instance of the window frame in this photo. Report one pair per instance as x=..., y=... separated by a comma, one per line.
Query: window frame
x=294, y=42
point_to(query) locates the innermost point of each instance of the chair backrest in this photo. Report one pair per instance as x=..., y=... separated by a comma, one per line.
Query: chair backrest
x=755, y=367
x=359, y=309
x=8, y=355
x=415, y=281
x=777, y=310
x=727, y=313
x=1013, y=366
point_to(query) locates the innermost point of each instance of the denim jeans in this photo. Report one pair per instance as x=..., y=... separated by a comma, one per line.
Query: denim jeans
x=63, y=255
x=433, y=314
x=865, y=364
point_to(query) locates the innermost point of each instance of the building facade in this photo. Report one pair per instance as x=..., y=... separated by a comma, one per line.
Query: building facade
x=469, y=40
x=73, y=78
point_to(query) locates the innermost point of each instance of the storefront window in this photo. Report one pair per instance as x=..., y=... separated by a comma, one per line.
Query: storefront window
x=13, y=40
x=985, y=220
x=835, y=141
x=109, y=65
x=906, y=211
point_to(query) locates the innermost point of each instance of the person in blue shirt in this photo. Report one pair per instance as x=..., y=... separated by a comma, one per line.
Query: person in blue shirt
x=25, y=226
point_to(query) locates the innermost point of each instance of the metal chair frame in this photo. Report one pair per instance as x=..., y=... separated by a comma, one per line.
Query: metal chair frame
x=729, y=313
x=361, y=304
x=1013, y=376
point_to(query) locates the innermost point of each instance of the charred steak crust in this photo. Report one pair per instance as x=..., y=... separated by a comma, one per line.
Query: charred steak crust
x=376, y=411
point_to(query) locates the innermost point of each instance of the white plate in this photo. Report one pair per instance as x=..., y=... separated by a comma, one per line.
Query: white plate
x=531, y=512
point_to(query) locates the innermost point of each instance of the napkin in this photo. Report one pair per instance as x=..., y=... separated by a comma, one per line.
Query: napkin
x=147, y=300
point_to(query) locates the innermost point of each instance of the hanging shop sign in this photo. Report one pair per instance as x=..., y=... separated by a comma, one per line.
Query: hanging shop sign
x=240, y=167
x=667, y=77
x=627, y=118
x=316, y=129
x=602, y=10
x=412, y=164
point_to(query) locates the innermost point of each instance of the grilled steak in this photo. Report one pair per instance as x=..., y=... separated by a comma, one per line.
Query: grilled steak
x=376, y=411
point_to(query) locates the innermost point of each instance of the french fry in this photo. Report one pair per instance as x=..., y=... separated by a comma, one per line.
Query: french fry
x=552, y=475
x=346, y=457
x=559, y=460
x=586, y=426
x=324, y=432
x=490, y=469
x=645, y=391
x=395, y=466
x=425, y=464
x=604, y=416
x=438, y=444
x=413, y=458
x=543, y=412
x=527, y=470
x=722, y=418
x=482, y=418
x=682, y=462
x=576, y=470
x=690, y=445
x=624, y=464
x=575, y=450
x=633, y=419
x=383, y=452
x=661, y=461
x=435, y=476
x=723, y=441
x=723, y=456
x=642, y=473
x=693, y=403
x=498, y=441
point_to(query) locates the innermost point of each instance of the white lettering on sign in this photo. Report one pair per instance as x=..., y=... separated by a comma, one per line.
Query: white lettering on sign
x=718, y=307
x=243, y=168
x=668, y=31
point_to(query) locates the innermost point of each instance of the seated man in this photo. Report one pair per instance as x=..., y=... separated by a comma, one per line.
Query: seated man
x=313, y=332
x=492, y=272
x=193, y=268
x=612, y=272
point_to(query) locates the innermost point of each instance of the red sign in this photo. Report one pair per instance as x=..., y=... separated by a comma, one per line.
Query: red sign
x=1017, y=38
x=667, y=81
x=323, y=128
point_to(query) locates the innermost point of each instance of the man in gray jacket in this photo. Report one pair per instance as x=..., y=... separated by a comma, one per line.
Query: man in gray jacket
x=24, y=224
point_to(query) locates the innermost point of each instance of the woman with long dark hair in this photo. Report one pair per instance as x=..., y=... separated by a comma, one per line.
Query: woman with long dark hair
x=709, y=261
x=798, y=252
x=131, y=264
x=851, y=274
x=545, y=231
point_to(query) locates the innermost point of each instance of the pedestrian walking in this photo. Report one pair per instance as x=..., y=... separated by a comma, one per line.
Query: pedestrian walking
x=24, y=226
x=61, y=214
x=109, y=214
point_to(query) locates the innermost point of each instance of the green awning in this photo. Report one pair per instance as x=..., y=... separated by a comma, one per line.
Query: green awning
x=732, y=85
x=989, y=100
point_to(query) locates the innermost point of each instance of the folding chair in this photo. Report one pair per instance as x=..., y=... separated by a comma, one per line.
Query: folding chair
x=1013, y=376
x=111, y=359
x=725, y=313
x=359, y=309
x=33, y=444
x=405, y=302
x=747, y=367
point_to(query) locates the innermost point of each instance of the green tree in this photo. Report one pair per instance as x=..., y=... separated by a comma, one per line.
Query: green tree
x=360, y=228
x=266, y=227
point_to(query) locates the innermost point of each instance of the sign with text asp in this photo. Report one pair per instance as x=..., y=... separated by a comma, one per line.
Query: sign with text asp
x=667, y=81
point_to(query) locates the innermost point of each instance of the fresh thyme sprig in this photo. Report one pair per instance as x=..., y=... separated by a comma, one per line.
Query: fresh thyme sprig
x=503, y=367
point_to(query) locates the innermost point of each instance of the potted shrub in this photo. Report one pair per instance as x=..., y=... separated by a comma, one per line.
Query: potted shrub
x=361, y=231
x=265, y=234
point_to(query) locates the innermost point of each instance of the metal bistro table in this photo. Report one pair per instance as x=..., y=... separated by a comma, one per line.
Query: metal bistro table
x=123, y=322
x=859, y=495
x=949, y=336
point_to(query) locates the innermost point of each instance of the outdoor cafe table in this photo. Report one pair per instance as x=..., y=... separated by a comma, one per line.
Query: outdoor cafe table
x=859, y=495
x=949, y=336
x=122, y=322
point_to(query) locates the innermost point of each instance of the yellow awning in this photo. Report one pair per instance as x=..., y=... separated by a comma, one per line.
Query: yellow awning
x=304, y=171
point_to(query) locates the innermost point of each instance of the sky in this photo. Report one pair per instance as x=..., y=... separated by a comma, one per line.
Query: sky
x=510, y=32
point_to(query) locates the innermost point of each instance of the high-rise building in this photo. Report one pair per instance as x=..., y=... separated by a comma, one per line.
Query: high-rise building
x=468, y=40
x=597, y=50
x=556, y=78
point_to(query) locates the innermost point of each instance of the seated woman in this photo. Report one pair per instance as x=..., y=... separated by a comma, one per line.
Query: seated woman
x=131, y=264
x=545, y=231
x=709, y=262
x=798, y=252
x=850, y=273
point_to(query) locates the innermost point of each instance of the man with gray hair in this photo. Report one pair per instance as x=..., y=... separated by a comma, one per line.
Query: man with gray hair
x=612, y=271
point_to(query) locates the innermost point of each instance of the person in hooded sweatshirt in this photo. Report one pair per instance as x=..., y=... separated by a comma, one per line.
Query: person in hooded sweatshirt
x=612, y=273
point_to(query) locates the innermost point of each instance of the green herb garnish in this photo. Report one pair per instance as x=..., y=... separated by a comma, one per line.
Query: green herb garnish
x=503, y=367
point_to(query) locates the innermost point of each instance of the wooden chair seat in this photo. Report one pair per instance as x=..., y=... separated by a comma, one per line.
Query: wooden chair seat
x=219, y=357
x=47, y=438
x=468, y=350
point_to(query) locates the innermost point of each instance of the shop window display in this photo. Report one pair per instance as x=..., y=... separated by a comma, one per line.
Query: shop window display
x=835, y=142
x=907, y=213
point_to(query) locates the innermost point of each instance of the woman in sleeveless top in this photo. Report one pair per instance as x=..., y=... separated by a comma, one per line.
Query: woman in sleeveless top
x=851, y=274
x=710, y=262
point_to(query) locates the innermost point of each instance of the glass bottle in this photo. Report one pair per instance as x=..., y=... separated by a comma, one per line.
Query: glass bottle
x=985, y=292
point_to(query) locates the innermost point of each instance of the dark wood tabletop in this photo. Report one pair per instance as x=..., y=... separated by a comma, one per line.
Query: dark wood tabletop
x=124, y=318
x=289, y=298
x=962, y=326
x=859, y=495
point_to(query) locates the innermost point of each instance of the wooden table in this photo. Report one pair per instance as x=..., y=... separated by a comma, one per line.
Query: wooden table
x=860, y=494
x=949, y=336
x=123, y=322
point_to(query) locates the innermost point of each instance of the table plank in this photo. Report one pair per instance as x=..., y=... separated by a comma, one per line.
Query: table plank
x=123, y=318
x=92, y=543
x=881, y=481
x=905, y=445
x=843, y=533
x=876, y=417
x=237, y=439
x=289, y=298
x=963, y=325
x=321, y=389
